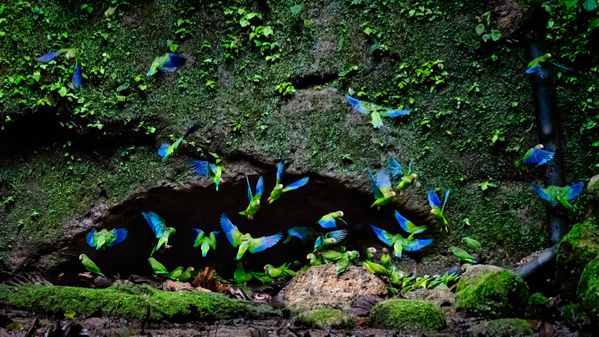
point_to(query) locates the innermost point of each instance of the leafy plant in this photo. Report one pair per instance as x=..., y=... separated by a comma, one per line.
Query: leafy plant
x=285, y=89
x=484, y=26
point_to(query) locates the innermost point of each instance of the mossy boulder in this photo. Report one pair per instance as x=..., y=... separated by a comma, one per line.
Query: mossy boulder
x=411, y=316
x=503, y=327
x=593, y=189
x=576, y=250
x=538, y=306
x=326, y=318
x=588, y=290
x=491, y=291
x=132, y=302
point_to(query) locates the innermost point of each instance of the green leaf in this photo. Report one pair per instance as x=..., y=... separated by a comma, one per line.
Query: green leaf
x=589, y=5
x=479, y=29
x=296, y=9
x=594, y=24
x=36, y=76
x=62, y=91
x=495, y=34
x=596, y=143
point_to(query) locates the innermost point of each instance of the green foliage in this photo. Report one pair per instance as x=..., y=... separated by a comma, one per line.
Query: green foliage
x=430, y=74
x=484, y=30
x=249, y=31
x=285, y=88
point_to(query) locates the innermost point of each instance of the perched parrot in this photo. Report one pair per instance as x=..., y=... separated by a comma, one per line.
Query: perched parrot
x=254, y=199
x=470, y=243
x=314, y=260
x=279, y=188
x=404, y=178
x=407, y=225
x=90, y=265
x=166, y=150
x=204, y=240
x=554, y=194
x=166, y=63
x=158, y=268
x=370, y=251
x=245, y=242
x=396, y=277
x=375, y=268
x=345, y=260
x=206, y=169
x=535, y=67
x=381, y=187
x=386, y=258
x=180, y=275
x=302, y=233
x=535, y=156
x=262, y=277
x=462, y=255
x=105, y=238
x=329, y=239
x=376, y=113
x=399, y=243
x=329, y=220
x=162, y=232
x=331, y=255
x=282, y=271
x=240, y=276
x=437, y=209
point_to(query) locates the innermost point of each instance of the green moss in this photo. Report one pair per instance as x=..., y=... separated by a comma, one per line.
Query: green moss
x=128, y=302
x=411, y=316
x=588, y=289
x=575, y=251
x=492, y=293
x=503, y=327
x=574, y=316
x=326, y=318
x=538, y=306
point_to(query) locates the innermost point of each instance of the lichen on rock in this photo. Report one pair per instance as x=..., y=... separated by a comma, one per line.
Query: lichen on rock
x=411, y=316
x=326, y=318
x=491, y=291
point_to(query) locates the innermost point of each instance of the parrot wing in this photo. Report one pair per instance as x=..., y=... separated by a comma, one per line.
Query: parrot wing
x=90, y=239
x=156, y=222
x=383, y=235
x=77, y=77
x=120, y=236
x=539, y=157
x=396, y=113
x=296, y=184
x=574, y=190
x=382, y=180
x=417, y=244
x=250, y=195
x=375, y=189
x=395, y=168
x=280, y=168
x=260, y=186
x=542, y=194
x=338, y=235
x=197, y=232
x=200, y=167
x=433, y=199
x=172, y=62
x=355, y=104
x=327, y=223
x=233, y=234
x=301, y=233
x=407, y=225
x=265, y=242
x=163, y=150
x=445, y=199
x=47, y=57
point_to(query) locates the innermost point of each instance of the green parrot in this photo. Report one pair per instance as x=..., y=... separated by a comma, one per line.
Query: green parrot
x=386, y=258
x=399, y=243
x=535, y=65
x=331, y=255
x=470, y=243
x=105, y=238
x=462, y=255
x=381, y=187
x=240, y=276
x=535, y=156
x=166, y=63
x=262, y=277
x=158, y=268
x=254, y=199
x=345, y=260
x=180, y=275
x=404, y=178
x=204, y=241
x=376, y=112
x=90, y=265
x=329, y=239
x=370, y=251
x=281, y=272
x=279, y=188
x=554, y=194
x=329, y=220
x=206, y=169
x=314, y=260
x=166, y=150
x=375, y=268
x=437, y=209
x=396, y=277
x=159, y=228
x=245, y=242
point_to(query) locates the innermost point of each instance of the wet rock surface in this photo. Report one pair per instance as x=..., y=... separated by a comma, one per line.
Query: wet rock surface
x=411, y=316
x=503, y=327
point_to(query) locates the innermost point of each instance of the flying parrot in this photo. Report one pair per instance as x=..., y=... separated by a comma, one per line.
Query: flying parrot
x=314, y=260
x=535, y=156
x=381, y=187
x=302, y=233
x=386, y=259
x=90, y=265
x=554, y=194
x=345, y=260
x=159, y=228
x=77, y=77
x=105, y=238
x=166, y=63
x=166, y=150
x=534, y=66
x=462, y=255
x=437, y=209
x=404, y=178
x=399, y=243
x=282, y=271
x=206, y=169
x=254, y=199
x=70, y=53
x=407, y=225
x=329, y=220
x=376, y=113
x=158, y=268
x=204, y=240
x=279, y=188
x=470, y=243
x=245, y=242
x=329, y=239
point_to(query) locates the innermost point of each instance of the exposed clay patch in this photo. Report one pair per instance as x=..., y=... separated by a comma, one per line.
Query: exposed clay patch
x=197, y=204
